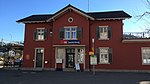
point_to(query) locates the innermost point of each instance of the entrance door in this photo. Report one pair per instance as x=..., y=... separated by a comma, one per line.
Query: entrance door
x=70, y=53
x=39, y=58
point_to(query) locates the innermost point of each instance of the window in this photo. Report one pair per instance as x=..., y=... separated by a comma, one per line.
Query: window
x=146, y=55
x=70, y=19
x=103, y=32
x=40, y=34
x=104, y=55
x=39, y=50
x=70, y=33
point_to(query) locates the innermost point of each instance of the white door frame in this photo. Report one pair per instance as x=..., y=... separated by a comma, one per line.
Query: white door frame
x=35, y=58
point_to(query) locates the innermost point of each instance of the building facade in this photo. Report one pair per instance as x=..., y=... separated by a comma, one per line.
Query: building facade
x=61, y=40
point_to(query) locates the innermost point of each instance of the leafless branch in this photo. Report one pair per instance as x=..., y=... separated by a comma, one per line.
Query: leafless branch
x=141, y=16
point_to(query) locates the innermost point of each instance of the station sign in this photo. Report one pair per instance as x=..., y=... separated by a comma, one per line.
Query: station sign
x=70, y=41
x=73, y=42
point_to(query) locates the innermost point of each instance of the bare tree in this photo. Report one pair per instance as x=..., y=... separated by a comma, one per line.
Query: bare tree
x=146, y=15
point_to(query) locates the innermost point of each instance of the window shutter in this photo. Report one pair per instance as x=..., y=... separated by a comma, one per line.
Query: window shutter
x=61, y=33
x=79, y=32
x=109, y=32
x=110, y=55
x=97, y=52
x=45, y=34
x=35, y=35
x=97, y=32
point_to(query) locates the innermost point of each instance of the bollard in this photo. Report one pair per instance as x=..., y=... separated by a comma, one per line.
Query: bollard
x=144, y=82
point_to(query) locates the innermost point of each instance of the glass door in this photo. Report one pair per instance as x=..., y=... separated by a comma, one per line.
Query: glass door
x=39, y=58
x=70, y=60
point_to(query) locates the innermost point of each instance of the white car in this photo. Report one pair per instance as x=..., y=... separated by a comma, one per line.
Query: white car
x=1, y=62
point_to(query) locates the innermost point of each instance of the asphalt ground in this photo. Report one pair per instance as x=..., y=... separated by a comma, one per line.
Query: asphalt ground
x=60, y=77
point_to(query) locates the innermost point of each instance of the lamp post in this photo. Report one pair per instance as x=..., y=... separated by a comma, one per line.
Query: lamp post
x=93, y=44
x=93, y=52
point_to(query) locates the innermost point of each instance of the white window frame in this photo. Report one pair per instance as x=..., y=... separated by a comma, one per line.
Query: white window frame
x=145, y=60
x=104, y=33
x=71, y=33
x=40, y=34
x=104, y=61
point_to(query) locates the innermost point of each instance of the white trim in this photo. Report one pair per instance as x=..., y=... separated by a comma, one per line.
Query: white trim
x=35, y=57
x=32, y=22
x=69, y=45
x=41, y=28
x=68, y=8
x=103, y=26
x=105, y=53
x=70, y=18
x=112, y=18
x=135, y=40
x=70, y=26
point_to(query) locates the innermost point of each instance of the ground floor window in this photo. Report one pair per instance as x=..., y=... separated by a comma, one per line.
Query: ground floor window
x=104, y=55
x=145, y=55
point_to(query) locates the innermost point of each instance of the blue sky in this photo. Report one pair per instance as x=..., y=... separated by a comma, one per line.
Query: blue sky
x=12, y=10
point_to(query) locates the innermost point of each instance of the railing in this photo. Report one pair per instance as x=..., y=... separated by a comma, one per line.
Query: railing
x=136, y=35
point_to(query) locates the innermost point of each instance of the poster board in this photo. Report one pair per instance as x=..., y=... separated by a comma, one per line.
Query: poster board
x=93, y=60
x=58, y=60
x=77, y=66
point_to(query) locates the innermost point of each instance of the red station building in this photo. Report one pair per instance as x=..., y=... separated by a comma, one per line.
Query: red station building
x=68, y=37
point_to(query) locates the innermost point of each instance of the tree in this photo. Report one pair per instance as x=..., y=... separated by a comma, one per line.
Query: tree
x=145, y=16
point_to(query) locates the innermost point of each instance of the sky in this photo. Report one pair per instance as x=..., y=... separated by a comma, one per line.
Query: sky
x=13, y=10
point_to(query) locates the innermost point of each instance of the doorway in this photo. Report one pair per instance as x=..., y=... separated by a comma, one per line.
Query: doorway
x=70, y=57
x=39, y=57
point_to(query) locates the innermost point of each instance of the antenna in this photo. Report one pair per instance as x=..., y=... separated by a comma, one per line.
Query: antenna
x=88, y=5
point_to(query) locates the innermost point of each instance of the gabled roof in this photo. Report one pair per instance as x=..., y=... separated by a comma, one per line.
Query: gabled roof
x=91, y=15
x=70, y=8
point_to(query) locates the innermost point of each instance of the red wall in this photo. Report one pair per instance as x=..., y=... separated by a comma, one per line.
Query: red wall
x=78, y=20
x=125, y=55
x=31, y=44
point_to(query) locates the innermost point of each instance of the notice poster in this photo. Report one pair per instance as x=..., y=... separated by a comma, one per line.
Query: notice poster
x=58, y=60
x=93, y=60
x=77, y=65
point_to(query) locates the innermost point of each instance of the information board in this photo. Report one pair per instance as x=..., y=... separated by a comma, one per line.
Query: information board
x=93, y=60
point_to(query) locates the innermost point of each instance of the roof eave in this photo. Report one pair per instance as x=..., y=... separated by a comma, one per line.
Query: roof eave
x=25, y=22
x=70, y=8
x=113, y=18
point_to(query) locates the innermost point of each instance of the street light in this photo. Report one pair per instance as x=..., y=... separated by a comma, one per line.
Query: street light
x=93, y=55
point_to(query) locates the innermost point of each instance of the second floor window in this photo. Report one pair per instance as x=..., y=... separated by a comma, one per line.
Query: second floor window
x=103, y=32
x=70, y=33
x=40, y=34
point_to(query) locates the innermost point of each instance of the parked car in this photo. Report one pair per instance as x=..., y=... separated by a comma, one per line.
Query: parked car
x=1, y=62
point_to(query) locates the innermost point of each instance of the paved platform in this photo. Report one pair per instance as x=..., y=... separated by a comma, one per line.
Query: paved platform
x=59, y=77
